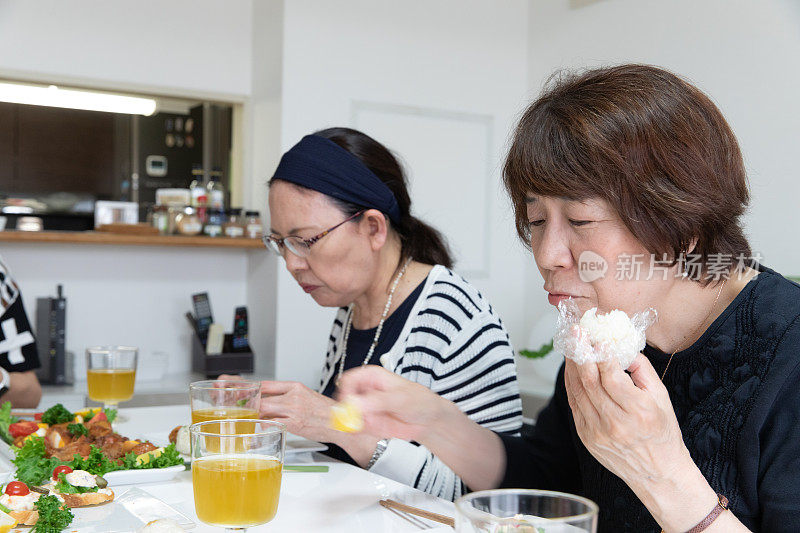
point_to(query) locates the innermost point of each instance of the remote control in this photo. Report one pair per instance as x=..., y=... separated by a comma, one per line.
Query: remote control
x=202, y=313
x=239, y=338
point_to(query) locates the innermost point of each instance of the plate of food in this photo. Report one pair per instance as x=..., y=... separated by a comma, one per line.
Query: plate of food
x=86, y=441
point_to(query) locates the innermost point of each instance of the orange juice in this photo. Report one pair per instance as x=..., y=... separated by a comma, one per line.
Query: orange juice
x=224, y=413
x=225, y=444
x=111, y=385
x=236, y=490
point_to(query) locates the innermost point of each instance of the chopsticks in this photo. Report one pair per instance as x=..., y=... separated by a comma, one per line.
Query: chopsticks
x=442, y=519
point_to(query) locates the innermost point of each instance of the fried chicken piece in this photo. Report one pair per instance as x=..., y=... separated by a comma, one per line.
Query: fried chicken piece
x=109, y=439
x=99, y=429
x=58, y=434
x=113, y=450
x=129, y=445
x=173, y=435
x=144, y=447
x=80, y=446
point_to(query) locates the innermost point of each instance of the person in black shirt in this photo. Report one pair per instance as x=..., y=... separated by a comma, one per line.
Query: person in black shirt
x=628, y=185
x=18, y=355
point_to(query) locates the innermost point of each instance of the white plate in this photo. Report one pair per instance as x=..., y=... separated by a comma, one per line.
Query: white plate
x=146, y=475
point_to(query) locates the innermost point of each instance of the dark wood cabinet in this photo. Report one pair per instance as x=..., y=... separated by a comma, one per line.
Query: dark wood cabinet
x=45, y=150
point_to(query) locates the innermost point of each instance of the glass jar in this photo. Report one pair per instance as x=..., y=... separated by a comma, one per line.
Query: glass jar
x=234, y=226
x=253, y=228
x=188, y=222
x=158, y=217
x=215, y=218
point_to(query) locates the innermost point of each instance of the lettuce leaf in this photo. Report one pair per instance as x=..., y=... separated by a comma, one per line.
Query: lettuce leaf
x=6, y=420
x=64, y=487
x=96, y=463
x=33, y=467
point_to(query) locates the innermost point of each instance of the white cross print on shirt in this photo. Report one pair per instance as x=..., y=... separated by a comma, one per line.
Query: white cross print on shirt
x=14, y=341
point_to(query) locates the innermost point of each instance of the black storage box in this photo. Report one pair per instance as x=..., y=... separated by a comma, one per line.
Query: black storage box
x=228, y=362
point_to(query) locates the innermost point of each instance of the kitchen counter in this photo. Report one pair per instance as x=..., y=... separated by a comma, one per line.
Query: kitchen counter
x=97, y=237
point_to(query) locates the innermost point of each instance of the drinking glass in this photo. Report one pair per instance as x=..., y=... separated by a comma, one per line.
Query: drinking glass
x=223, y=399
x=525, y=511
x=236, y=476
x=111, y=373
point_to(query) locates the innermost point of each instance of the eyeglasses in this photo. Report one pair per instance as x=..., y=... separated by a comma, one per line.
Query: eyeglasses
x=297, y=245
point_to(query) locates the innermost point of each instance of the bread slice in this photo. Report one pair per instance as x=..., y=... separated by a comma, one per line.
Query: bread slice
x=88, y=498
x=25, y=518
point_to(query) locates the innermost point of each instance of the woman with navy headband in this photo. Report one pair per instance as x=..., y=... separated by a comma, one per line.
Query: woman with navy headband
x=340, y=217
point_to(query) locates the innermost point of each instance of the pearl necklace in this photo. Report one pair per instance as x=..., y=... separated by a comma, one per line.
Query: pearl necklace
x=374, y=344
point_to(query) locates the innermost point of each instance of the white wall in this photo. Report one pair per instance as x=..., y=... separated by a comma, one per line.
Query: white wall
x=186, y=48
x=202, y=46
x=130, y=294
x=445, y=58
x=744, y=54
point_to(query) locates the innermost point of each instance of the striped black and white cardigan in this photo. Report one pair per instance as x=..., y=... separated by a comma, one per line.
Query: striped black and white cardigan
x=454, y=344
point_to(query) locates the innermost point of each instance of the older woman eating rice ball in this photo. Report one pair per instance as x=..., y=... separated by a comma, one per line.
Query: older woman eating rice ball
x=634, y=168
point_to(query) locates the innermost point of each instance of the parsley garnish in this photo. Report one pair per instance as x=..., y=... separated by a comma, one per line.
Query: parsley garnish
x=53, y=515
x=77, y=430
x=58, y=414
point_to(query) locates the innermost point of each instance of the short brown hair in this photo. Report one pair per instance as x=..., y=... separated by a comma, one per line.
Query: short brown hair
x=647, y=142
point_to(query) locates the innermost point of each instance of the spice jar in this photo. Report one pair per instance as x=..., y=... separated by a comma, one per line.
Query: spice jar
x=252, y=225
x=214, y=220
x=159, y=218
x=188, y=222
x=234, y=226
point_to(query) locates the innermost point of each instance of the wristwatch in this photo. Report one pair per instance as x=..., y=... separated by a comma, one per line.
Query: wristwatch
x=379, y=449
x=5, y=383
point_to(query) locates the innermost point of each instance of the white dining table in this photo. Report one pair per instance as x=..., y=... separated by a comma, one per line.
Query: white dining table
x=344, y=499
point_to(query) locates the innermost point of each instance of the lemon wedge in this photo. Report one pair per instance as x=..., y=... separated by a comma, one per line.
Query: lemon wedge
x=6, y=522
x=145, y=457
x=347, y=417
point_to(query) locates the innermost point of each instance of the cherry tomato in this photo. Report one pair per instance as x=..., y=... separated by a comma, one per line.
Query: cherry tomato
x=37, y=416
x=22, y=429
x=17, y=488
x=63, y=469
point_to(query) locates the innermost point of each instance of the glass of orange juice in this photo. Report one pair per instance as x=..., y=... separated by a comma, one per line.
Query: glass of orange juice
x=236, y=476
x=224, y=399
x=111, y=373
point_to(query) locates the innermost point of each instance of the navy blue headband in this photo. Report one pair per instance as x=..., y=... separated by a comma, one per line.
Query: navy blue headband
x=322, y=165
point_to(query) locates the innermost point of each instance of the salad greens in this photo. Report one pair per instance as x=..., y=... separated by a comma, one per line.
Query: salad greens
x=76, y=430
x=54, y=516
x=64, y=487
x=6, y=420
x=58, y=414
x=33, y=467
x=96, y=463
x=111, y=414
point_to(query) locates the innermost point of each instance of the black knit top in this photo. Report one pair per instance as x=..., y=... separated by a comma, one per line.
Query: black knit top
x=736, y=394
